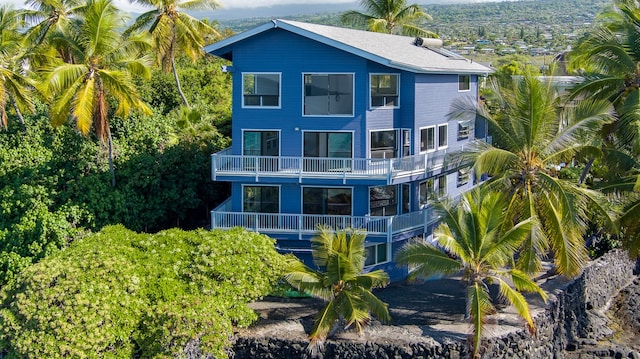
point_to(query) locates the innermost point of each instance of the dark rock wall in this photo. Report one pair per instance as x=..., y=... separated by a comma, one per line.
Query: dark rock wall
x=572, y=319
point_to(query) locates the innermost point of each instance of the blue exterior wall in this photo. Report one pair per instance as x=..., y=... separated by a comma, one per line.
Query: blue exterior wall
x=424, y=101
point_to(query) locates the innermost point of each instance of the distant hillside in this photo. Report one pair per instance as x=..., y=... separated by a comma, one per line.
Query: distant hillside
x=452, y=19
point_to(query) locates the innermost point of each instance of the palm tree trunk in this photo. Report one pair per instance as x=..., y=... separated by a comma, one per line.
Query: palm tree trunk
x=175, y=75
x=111, y=169
x=20, y=117
x=586, y=170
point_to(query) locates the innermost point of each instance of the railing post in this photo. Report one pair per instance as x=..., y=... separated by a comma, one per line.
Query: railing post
x=213, y=166
x=299, y=227
x=389, y=229
x=390, y=171
x=426, y=164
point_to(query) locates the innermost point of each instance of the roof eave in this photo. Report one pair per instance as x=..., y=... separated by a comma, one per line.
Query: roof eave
x=219, y=48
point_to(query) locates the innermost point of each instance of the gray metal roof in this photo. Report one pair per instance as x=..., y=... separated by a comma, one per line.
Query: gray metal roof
x=394, y=51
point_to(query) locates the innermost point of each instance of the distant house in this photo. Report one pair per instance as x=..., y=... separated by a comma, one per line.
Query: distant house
x=341, y=127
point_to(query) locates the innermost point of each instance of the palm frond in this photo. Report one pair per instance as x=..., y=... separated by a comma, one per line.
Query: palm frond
x=517, y=300
x=427, y=259
x=480, y=307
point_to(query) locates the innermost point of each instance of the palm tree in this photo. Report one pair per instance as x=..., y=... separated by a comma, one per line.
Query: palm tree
x=49, y=16
x=15, y=86
x=340, y=282
x=609, y=60
x=174, y=31
x=389, y=16
x=532, y=135
x=100, y=70
x=474, y=238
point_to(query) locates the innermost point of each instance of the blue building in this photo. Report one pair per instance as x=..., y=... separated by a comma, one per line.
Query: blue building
x=341, y=127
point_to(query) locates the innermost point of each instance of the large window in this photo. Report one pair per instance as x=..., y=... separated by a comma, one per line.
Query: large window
x=329, y=201
x=384, y=144
x=328, y=144
x=261, y=143
x=261, y=199
x=428, y=139
x=328, y=94
x=464, y=83
x=384, y=90
x=376, y=254
x=383, y=200
x=261, y=90
x=442, y=136
x=426, y=192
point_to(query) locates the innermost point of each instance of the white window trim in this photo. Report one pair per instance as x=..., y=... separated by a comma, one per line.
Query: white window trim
x=467, y=90
x=279, y=90
x=398, y=199
x=435, y=139
x=367, y=245
x=396, y=130
x=352, y=132
x=353, y=91
x=264, y=130
x=342, y=187
x=263, y=185
x=371, y=107
x=438, y=136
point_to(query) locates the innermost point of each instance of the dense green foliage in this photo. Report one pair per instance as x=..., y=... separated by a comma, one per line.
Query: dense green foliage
x=54, y=183
x=120, y=294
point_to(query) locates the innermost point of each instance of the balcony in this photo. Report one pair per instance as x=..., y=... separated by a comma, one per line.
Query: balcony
x=225, y=166
x=306, y=225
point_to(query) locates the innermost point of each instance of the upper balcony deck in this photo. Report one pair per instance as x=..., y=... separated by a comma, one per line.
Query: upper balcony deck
x=375, y=171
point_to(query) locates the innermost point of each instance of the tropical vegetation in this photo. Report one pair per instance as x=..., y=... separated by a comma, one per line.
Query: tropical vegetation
x=340, y=281
x=534, y=135
x=120, y=294
x=390, y=16
x=608, y=58
x=474, y=239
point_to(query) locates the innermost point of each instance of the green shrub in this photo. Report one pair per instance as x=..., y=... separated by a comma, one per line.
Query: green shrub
x=118, y=294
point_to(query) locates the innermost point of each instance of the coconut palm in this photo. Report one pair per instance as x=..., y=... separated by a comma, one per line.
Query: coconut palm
x=15, y=86
x=389, y=16
x=101, y=70
x=475, y=239
x=47, y=16
x=339, y=281
x=174, y=31
x=532, y=135
x=609, y=60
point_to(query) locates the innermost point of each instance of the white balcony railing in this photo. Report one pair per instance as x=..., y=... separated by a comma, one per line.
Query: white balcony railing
x=223, y=163
x=308, y=224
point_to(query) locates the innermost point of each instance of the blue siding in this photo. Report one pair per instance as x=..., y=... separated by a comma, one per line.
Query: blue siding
x=424, y=101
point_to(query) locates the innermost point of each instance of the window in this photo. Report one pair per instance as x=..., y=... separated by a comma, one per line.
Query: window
x=328, y=144
x=464, y=127
x=427, y=139
x=261, y=143
x=406, y=143
x=261, y=199
x=426, y=192
x=442, y=186
x=261, y=90
x=442, y=136
x=384, y=144
x=463, y=176
x=328, y=95
x=330, y=201
x=384, y=90
x=376, y=254
x=464, y=83
x=383, y=200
